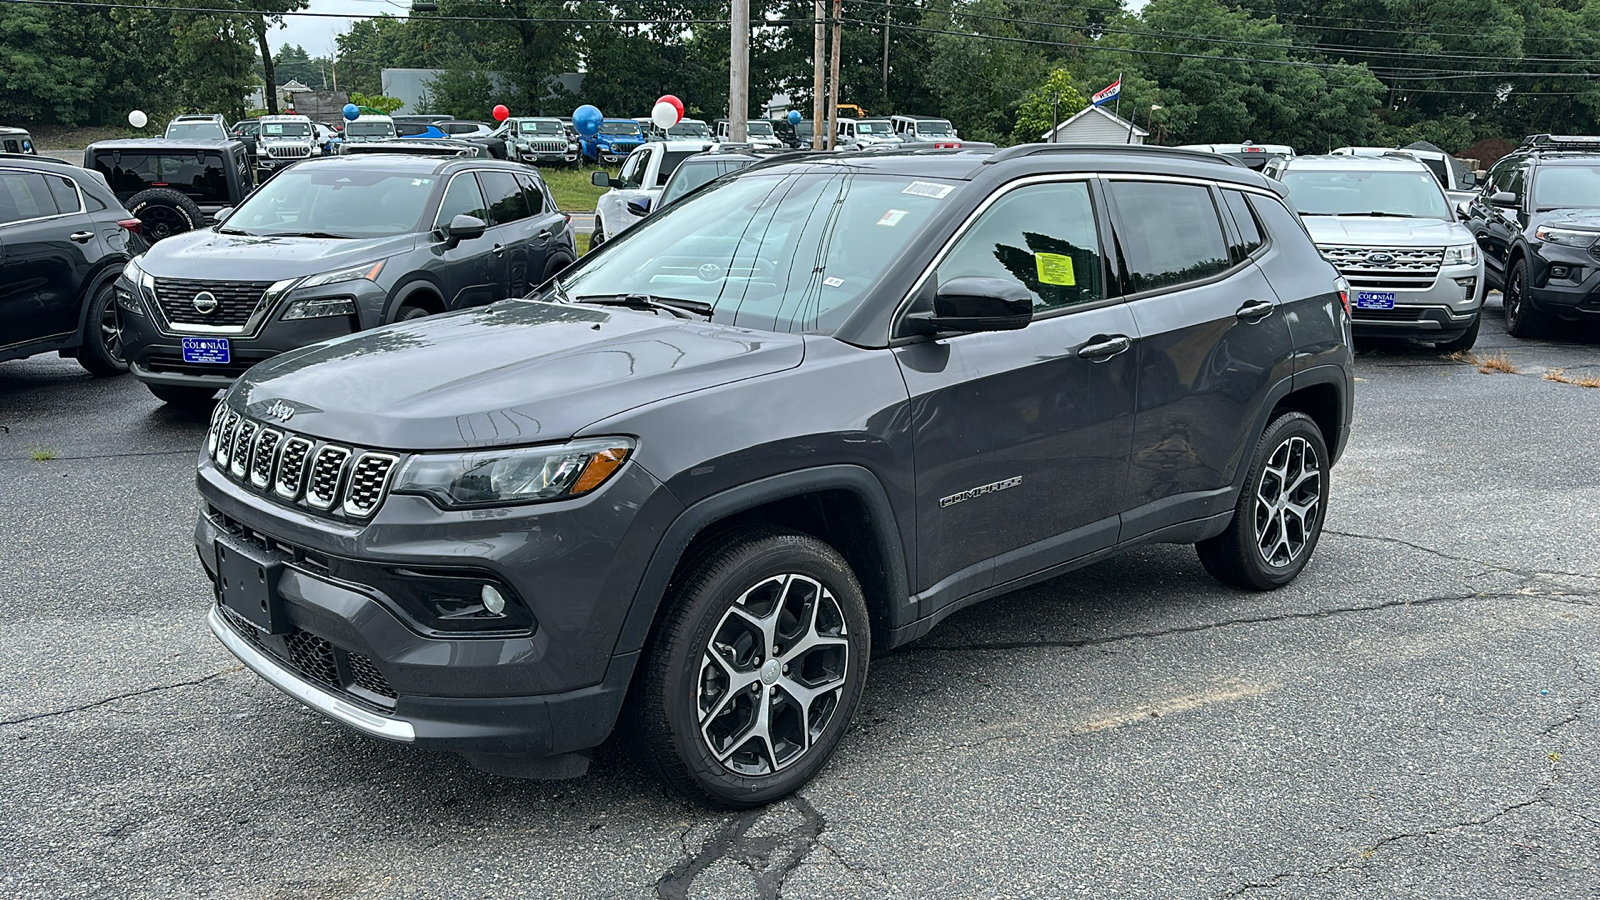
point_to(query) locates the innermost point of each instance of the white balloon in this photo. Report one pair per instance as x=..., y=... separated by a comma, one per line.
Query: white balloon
x=138, y=119
x=665, y=115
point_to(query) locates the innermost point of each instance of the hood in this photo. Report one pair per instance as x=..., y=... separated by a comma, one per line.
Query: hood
x=1376, y=231
x=516, y=372
x=1575, y=219
x=237, y=257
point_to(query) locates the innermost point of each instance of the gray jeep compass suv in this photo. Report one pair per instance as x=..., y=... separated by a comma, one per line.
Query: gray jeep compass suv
x=794, y=419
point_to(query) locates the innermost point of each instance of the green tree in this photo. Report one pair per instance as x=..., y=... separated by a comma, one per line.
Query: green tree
x=1054, y=101
x=262, y=16
x=385, y=105
x=45, y=75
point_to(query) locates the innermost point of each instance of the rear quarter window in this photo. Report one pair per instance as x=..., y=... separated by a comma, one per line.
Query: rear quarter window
x=1169, y=233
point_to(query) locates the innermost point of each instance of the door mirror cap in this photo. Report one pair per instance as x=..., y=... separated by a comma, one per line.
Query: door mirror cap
x=1469, y=179
x=639, y=206
x=223, y=214
x=1502, y=198
x=600, y=179
x=1464, y=209
x=977, y=303
x=465, y=228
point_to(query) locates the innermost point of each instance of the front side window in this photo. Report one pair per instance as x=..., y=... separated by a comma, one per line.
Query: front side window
x=773, y=251
x=336, y=201
x=1043, y=237
x=462, y=198
x=504, y=197
x=25, y=195
x=1169, y=233
x=636, y=162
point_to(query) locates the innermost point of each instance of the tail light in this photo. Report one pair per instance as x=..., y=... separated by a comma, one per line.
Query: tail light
x=947, y=145
x=132, y=226
x=1343, y=287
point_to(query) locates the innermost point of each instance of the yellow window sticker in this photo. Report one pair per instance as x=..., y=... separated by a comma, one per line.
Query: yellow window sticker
x=1055, y=268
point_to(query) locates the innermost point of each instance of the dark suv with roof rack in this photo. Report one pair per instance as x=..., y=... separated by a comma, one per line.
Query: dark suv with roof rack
x=705, y=474
x=1537, y=220
x=173, y=186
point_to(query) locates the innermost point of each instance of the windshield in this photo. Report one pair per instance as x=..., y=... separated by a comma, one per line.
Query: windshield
x=761, y=128
x=695, y=172
x=369, y=129
x=333, y=200
x=773, y=251
x=935, y=128
x=803, y=130
x=285, y=129
x=1567, y=187
x=200, y=130
x=540, y=127
x=1358, y=193
x=872, y=128
x=690, y=130
x=619, y=128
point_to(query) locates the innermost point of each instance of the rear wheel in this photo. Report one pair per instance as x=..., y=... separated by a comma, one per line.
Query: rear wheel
x=752, y=677
x=182, y=396
x=1522, y=320
x=407, y=313
x=100, y=354
x=1278, y=518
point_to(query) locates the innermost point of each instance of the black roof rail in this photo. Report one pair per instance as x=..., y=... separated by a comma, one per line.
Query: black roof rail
x=1542, y=142
x=1022, y=150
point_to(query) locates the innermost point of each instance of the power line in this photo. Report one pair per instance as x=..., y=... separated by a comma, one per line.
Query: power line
x=236, y=10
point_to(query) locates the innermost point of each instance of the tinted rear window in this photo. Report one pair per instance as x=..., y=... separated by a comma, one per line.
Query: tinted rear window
x=24, y=195
x=200, y=175
x=1170, y=234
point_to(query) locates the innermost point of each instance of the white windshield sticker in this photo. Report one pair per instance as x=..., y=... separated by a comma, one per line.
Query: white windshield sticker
x=892, y=217
x=927, y=189
x=833, y=282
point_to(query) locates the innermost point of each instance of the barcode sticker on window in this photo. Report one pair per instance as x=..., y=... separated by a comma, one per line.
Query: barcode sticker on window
x=927, y=189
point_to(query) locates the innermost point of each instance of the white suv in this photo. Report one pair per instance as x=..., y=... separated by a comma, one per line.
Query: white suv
x=284, y=140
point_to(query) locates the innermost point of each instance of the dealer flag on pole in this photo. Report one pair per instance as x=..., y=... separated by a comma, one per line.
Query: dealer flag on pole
x=1109, y=94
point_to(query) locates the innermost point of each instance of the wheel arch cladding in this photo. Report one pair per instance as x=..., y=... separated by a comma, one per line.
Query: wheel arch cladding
x=1323, y=403
x=421, y=294
x=842, y=505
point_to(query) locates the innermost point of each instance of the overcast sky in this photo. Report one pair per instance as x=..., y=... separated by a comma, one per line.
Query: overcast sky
x=317, y=34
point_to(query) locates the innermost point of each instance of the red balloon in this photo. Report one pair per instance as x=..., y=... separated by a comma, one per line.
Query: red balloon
x=501, y=113
x=676, y=103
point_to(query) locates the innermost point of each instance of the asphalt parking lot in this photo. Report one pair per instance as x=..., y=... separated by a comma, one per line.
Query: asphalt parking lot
x=1413, y=718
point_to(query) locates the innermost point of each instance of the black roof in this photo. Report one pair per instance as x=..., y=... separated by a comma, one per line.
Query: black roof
x=160, y=144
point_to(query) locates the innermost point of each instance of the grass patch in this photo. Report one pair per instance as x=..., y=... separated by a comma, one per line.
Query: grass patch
x=574, y=192
x=582, y=242
x=1588, y=381
x=41, y=454
x=1488, y=365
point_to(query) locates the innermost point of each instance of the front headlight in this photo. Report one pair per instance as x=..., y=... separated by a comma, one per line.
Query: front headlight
x=514, y=475
x=363, y=272
x=142, y=281
x=1566, y=237
x=1463, y=255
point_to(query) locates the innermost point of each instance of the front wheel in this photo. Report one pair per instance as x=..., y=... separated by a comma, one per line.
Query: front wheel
x=751, y=679
x=598, y=236
x=1278, y=518
x=1522, y=320
x=1465, y=341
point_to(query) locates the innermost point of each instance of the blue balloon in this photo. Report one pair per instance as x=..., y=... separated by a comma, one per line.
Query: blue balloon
x=794, y=117
x=586, y=119
x=351, y=111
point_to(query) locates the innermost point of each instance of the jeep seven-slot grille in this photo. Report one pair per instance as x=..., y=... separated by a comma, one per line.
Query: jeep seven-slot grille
x=298, y=470
x=288, y=151
x=1386, y=267
x=235, y=301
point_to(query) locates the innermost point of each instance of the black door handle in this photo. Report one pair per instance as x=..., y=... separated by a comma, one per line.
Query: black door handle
x=82, y=237
x=1103, y=348
x=1254, y=311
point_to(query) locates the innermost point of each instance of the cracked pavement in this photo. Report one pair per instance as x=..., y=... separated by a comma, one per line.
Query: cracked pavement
x=1412, y=718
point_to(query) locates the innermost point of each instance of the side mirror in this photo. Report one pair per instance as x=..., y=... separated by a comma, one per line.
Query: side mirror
x=600, y=179
x=977, y=303
x=1464, y=209
x=223, y=214
x=1502, y=198
x=639, y=206
x=1469, y=179
x=465, y=228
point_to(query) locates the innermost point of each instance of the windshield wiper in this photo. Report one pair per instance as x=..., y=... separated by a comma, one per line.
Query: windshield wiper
x=673, y=305
x=1380, y=213
x=309, y=234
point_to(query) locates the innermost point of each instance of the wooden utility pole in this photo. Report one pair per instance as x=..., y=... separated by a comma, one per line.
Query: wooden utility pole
x=739, y=72
x=886, y=51
x=818, y=58
x=833, y=74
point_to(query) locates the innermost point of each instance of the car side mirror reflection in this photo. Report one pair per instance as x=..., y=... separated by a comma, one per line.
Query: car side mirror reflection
x=978, y=303
x=600, y=179
x=1502, y=198
x=639, y=206
x=465, y=228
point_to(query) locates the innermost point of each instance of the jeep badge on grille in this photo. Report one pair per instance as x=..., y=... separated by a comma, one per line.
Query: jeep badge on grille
x=279, y=410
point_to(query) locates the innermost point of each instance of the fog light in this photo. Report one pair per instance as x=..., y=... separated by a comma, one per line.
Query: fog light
x=1560, y=272
x=492, y=600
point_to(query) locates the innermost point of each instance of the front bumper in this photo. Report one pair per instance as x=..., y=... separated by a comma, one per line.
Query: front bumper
x=1441, y=312
x=565, y=157
x=1564, y=282
x=350, y=653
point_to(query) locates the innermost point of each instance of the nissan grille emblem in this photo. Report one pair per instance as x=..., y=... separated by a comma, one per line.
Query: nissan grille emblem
x=1380, y=259
x=279, y=410
x=205, y=303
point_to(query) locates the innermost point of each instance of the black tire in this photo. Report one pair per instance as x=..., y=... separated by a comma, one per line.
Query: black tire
x=598, y=237
x=100, y=354
x=772, y=573
x=1522, y=320
x=407, y=313
x=1237, y=556
x=1465, y=341
x=184, y=397
x=164, y=212
x=554, y=267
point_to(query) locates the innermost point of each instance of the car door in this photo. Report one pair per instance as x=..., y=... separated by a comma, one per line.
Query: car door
x=547, y=225
x=468, y=271
x=630, y=183
x=1212, y=344
x=48, y=245
x=1492, y=225
x=512, y=233
x=1021, y=437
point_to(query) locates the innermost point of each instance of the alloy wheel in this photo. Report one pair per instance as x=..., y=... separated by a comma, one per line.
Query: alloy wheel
x=162, y=221
x=111, y=332
x=1288, y=502
x=772, y=674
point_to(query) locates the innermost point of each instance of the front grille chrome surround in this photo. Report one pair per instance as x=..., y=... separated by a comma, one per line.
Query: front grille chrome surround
x=295, y=470
x=1395, y=267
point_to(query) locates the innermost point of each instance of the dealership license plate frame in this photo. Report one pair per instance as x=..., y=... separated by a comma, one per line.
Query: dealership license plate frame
x=207, y=351
x=1374, y=299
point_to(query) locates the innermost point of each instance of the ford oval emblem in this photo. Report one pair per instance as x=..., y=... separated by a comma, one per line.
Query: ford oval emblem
x=1380, y=259
x=205, y=303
